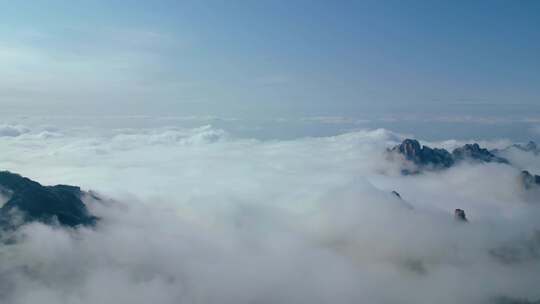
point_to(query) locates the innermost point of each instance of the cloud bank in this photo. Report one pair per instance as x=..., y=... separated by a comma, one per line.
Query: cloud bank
x=201, y=216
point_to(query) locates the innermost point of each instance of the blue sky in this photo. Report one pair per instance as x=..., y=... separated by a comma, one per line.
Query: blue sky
x=271, y=58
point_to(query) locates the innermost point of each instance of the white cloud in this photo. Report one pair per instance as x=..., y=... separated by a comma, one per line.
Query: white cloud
x=204, y=217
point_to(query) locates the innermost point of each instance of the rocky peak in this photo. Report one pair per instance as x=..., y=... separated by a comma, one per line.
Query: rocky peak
x=476, y=153
x=411, y=149
x=46, y=204
x=424, y=155
x=459, y=214
x=433, y=158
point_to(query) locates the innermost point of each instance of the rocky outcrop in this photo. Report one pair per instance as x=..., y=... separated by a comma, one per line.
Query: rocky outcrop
x=424, y=157
x=420, y=158
x=475, y=153
x=459, y=215
x=27, y=200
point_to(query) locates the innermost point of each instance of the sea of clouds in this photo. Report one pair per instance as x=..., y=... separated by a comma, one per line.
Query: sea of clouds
x=198, y=215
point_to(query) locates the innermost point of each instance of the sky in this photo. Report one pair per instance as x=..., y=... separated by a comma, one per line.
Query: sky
x=242, y=150
x=260, y=59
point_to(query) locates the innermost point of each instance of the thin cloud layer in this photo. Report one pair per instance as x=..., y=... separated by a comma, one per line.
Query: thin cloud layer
x=200, y=216
x=12, y=130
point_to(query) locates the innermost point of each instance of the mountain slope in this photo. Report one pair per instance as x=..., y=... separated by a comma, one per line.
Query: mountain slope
x=35, y=202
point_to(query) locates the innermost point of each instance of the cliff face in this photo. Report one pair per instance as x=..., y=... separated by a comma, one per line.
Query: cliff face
x=30, y=201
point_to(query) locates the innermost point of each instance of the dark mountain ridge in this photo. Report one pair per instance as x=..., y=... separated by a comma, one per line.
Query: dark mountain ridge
x=531, y=147
x=27, y=201
x=425, y=157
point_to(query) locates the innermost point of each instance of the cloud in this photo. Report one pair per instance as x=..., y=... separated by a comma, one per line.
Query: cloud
x=202, y=216
x=12, y=130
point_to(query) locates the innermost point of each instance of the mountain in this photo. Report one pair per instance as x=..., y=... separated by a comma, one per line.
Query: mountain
x=529, y=147
x=27, y=200
x=425, y=157
x=459, y=214
x=528, y=180
x=476, y=153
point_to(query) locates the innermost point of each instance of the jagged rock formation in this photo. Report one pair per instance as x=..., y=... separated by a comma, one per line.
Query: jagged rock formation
x=474, y=152
x=420, y=158
x=425, y=157
x=528, y=180
x=459, y=214
x=27, y=200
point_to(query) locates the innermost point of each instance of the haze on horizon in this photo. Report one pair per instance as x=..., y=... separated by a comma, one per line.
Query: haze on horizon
x=269, y=152
x=260, y=59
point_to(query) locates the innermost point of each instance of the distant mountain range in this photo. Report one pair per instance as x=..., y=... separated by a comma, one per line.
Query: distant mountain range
x=425, y=157
x=531, y=146
x=420, y=158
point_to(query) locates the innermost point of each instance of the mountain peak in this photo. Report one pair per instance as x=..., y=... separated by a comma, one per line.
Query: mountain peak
x=436, y=158
x=36, y=202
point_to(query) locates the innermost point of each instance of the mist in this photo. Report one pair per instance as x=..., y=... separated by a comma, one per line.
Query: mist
x=201, y=215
